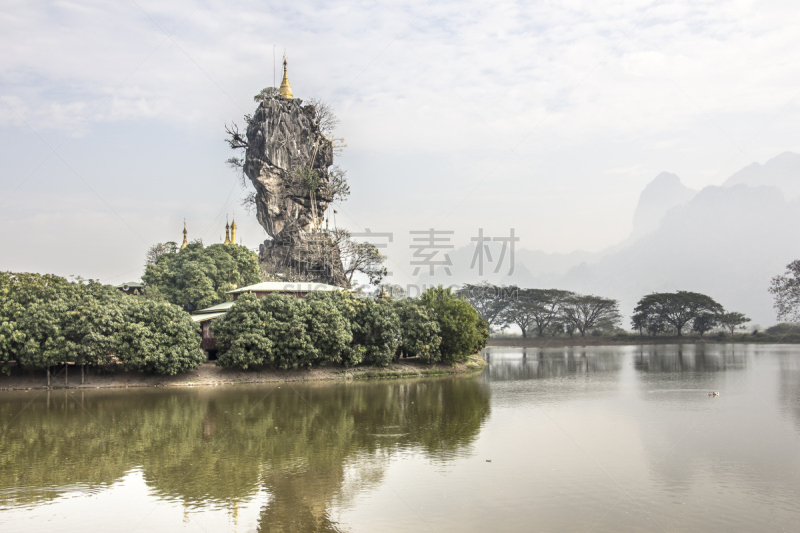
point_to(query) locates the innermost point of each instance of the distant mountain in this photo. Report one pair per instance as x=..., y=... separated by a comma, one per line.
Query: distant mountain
x=727, y=242
x=665, y=192
x=782, y=172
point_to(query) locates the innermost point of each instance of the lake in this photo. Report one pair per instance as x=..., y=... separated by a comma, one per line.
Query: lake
x=617, y=439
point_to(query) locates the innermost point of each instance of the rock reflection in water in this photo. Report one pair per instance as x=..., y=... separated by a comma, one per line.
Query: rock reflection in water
x=221, y=446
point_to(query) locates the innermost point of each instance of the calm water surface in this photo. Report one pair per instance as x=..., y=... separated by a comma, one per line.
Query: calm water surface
x=571, y=439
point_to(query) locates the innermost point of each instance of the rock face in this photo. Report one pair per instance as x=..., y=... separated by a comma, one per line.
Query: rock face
x=284, y=149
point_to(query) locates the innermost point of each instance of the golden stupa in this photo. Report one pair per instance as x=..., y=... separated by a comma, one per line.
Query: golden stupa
x=286, y=89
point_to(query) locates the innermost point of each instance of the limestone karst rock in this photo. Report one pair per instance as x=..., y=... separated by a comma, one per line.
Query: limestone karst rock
x=284, y=148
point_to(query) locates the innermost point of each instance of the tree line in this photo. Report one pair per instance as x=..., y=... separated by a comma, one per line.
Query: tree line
x=553, y=312
x=543, y=311
x=337, y=327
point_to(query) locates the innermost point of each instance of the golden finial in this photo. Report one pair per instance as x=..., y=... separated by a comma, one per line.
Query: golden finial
x=184, y=235
x=286, y=89
x=227, y=232
x=233, y=229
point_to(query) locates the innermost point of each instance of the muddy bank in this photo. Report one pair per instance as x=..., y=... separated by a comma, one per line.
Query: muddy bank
x=211, y=375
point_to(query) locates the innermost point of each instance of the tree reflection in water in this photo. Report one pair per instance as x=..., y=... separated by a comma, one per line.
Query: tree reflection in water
x=220, y=446
x=544, y=363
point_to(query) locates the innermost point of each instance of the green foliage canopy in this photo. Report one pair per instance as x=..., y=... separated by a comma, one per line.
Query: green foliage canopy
x=200, y=276
x=46, y=320
x=462, y=329
x=658, y=311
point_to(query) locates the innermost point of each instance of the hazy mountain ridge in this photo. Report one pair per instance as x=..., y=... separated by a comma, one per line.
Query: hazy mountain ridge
x=661, y=195
x=782, y=171
x=725, y=241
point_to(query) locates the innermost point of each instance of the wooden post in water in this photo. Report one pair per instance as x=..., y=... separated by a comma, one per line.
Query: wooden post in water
x=48, y=376
x=82, y=373
x=66, y=373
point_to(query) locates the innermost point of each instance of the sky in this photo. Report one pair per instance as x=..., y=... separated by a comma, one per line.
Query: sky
x=548, y=117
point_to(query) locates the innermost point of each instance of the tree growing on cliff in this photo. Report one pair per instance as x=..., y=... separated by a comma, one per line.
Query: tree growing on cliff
x=326, y=121
x=363, y=257
x=199, y=276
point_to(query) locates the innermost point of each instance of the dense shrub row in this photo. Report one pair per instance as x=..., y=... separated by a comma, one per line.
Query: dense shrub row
x=339, y=328
x=47, y=320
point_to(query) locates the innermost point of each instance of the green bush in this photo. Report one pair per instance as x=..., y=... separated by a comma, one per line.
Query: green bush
x=783, y=329
x=46, y=320
x=419, y=331
x=339, y=328
x=376, y=332
x=78, y=324
x=329, y=329
x=462, y=329
x=241, y=336
x=282, y=330
x=157, y=337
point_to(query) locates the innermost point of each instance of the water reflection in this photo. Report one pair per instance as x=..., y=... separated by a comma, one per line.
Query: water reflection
x=789, y=388
x=221, y=446
x=690, y=358
x=543, y=363
x=611, y=438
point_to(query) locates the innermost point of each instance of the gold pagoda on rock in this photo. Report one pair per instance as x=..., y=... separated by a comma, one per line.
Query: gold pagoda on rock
x=286, y=89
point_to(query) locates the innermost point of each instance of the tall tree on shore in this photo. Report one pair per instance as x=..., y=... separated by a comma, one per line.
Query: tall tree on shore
x=676, y=309
x=590, y=312
x=489, y=300
x=732, y=321
x=704, y=322
x=786, y=290
x=519, y=312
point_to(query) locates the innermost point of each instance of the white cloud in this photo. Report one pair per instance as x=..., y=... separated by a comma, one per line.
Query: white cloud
x=440, y=92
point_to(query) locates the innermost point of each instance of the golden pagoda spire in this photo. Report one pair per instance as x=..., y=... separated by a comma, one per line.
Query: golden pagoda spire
x=227, y=232
x=286, y=89
x=233, y=229
x=184, y=235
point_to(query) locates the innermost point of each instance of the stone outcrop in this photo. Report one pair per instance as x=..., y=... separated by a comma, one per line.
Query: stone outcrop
x=284, y=143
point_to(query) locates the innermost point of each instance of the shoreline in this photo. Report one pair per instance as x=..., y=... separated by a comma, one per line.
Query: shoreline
x=635, y=340
x=210, y=375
